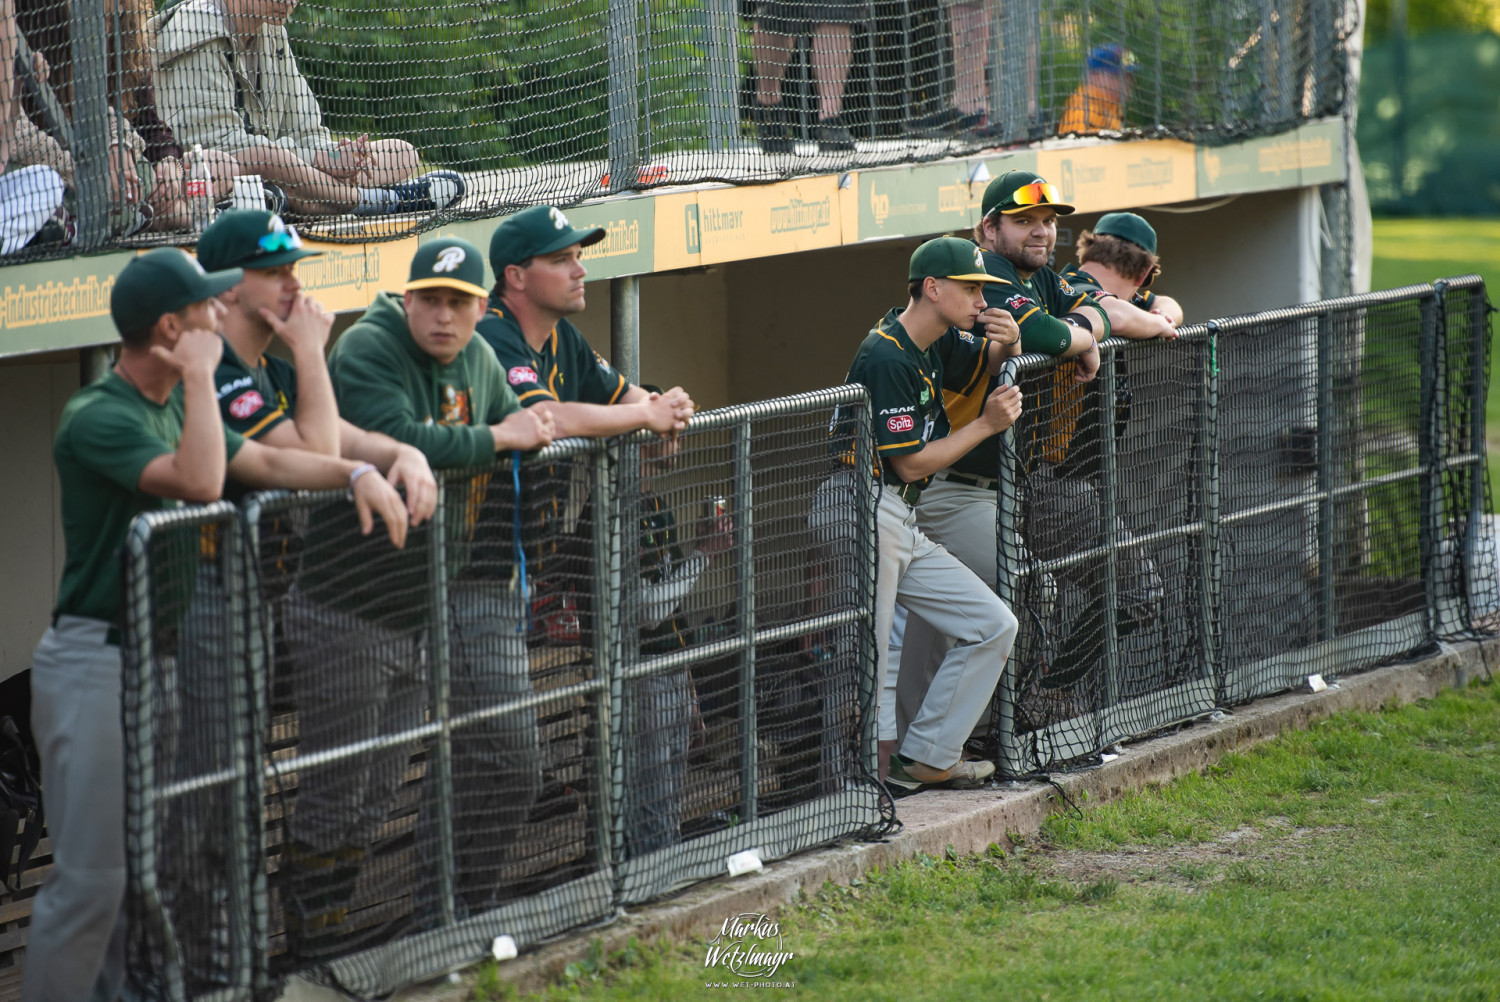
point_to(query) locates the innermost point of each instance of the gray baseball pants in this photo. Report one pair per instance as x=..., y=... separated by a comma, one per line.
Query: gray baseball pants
x=76, y=945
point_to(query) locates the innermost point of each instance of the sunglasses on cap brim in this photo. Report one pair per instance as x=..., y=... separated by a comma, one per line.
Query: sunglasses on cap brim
x=280, y=240
x=1035, y=193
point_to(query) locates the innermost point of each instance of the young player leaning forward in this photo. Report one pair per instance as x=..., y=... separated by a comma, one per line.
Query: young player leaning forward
x=412, y=368
x=125, y=445
x=901, y=362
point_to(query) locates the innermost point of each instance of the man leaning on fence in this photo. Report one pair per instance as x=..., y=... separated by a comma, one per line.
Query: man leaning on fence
x=411, y=368
x=537, y=258
x=126, y=445
x=901, y=362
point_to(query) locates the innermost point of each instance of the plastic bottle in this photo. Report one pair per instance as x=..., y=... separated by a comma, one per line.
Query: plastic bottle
x=199, y=190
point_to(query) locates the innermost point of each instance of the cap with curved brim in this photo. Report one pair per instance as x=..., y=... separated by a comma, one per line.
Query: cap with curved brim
x=949, y=257
x=541, y=229
x=1020, y=190
x=160, y=282
x=447, y=283
x=250, y=238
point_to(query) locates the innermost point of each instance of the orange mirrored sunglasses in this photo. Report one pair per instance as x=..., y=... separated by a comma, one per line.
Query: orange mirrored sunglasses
x=1036, y=193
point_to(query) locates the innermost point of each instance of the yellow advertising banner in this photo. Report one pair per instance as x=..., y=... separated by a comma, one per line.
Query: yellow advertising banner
x=1122, y=175
x=739, y=223
x=347, y=276
x=679, y=232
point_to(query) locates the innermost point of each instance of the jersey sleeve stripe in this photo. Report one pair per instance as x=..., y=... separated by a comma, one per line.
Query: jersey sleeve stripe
x=890, y=339
x=264, y=423
x=539, y=391
x=1027, y=315
x=898, y=445
x=619, y=390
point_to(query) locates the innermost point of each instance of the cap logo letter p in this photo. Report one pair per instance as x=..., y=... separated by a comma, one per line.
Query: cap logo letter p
x=558, y=219
x=449, y=259
x=979, y=259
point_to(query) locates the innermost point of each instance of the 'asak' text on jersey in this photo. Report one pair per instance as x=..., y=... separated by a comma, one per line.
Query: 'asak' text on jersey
x=905, y=385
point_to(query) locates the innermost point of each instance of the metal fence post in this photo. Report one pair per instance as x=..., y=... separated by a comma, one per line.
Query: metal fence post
x=745, y=579
x=1209, y=569
x=625, y=584
x=1479, y=347
x=624, y=104
x=721, y=58
x=244, y=613
x=1327, y=572
x=1429, y=526
x=1108, y=503
x=91, y=124
x=607, y=661
x=1007, y=519
x=625, y=326
x=437, y=572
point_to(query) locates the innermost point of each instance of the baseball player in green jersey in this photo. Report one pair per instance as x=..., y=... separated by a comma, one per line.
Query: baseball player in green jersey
x=412, y=368
x=902, y=362
x=1017, y=231
x=268, y=399
x=126, y=445
x=537, y=259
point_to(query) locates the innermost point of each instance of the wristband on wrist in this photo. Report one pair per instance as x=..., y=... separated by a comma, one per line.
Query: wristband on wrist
x=360, y=471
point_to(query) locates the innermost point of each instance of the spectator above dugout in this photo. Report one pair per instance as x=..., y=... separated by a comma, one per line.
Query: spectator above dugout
x=227, y=78
x=1098, y=105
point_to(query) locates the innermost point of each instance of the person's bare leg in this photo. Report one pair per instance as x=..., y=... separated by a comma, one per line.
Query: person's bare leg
x=833, y=52
x=969, y=29
x=773, y=53
x=308, y=190
x=392, y=161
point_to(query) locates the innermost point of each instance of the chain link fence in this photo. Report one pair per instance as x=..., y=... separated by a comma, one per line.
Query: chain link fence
x=1215, y=519
x=589, y=680
x=368, y=121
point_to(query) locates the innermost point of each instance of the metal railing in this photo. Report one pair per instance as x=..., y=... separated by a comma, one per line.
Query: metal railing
x=600, y=671
x=588, y=680
x=582, y=98
x=1273, y=496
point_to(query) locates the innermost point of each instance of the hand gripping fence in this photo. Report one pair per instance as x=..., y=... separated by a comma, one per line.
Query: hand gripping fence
x=361, y=765
x=371, y=120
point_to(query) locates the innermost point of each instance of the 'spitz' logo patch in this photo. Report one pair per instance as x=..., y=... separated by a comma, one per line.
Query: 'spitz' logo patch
x=901, y=422
x=521, y=374
x=1018, y=302
x=245, y=404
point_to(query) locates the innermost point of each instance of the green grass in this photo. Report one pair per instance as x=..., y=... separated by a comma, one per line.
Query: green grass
x=1422, y=250
x=1357, y=860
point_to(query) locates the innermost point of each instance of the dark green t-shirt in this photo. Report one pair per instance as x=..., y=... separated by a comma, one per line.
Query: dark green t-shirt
x=107, y=436
x=905, y=386
x=566, y=369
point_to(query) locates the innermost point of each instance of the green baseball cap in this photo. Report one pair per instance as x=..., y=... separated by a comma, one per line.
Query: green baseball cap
x=250, y=238
x=1127, y=226
x=540, y=229
x=450, y=263
x=160, y=282
x=1019, y=190
x=949, y=257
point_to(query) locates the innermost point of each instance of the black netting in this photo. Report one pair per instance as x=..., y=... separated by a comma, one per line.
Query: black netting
x=1303, y=490
x=589, y=679
x=190, y=717
x=1104, y=544
x=368, y=122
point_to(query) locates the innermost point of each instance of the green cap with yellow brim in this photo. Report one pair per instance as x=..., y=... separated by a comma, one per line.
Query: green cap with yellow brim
x=449, y=263
x=949, y=257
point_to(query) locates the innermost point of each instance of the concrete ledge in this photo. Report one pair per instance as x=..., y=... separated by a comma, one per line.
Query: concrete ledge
x=970, y=821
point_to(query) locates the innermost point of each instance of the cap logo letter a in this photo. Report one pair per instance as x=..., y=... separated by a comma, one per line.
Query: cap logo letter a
x=558, y=219
x=449, y=259
x=979, y=259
